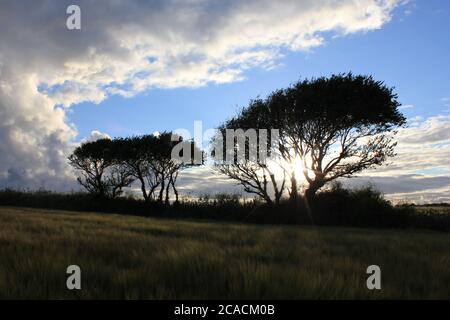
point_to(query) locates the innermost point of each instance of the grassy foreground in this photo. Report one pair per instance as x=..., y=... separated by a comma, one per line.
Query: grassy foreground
x=134, y=257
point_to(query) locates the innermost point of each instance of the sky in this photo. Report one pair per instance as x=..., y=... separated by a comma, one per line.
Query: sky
x=137, y=67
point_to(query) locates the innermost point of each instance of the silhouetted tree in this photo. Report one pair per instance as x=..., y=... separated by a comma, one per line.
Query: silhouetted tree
x=138, y=155
x=336, y=126
x=101, y=171
x=255, y=173
x=149, y=159
x=169, y=166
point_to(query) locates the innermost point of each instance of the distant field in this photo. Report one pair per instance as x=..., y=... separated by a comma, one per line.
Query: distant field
x=433, y=209
x=134, y=257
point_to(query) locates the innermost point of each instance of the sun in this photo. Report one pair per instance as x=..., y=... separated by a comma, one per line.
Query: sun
x=297, y=167
x=288, y=167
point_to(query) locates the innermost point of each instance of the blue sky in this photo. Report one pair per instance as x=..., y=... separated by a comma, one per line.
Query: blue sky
x=410, y=53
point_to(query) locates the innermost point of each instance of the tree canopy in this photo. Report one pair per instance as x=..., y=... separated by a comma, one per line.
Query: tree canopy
x=100, y=168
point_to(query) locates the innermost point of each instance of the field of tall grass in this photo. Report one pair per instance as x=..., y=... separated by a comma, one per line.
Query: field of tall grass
x=129, y=257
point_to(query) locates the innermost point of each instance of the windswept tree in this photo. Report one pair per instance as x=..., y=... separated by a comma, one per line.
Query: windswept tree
x=336, y=126
x=174, y=154
x=329, y=127
x=139, y=157
x=166, y=167
x=101, y=171
x=149, y=159
x=106, y=166
x=247, y=154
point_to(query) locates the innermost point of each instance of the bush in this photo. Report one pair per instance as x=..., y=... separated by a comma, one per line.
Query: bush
x=336, y=206
x=364, y=207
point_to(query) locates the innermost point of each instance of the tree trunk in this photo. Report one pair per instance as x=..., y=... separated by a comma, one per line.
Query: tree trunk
x=175, y=191
x=294, y=189
x=161, y=191
x=314, y=186
x=278, y=192
x=268, y=200
x=144, y=191
x=166, y=202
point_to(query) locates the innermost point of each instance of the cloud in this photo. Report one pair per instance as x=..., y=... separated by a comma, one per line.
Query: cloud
x=126, y=47
x=421, y=168
x=433, y=130
x=405, y=184
x=96, y=135
x=33, y=136
x=199, y=181
x=416, y=188
x=424, y=146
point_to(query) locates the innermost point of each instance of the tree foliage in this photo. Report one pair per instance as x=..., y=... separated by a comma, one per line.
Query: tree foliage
x=100, y=168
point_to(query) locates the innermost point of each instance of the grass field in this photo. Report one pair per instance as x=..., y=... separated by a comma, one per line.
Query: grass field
x=134, y=257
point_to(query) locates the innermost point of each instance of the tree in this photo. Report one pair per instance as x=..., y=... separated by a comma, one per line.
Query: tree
x=149, y=159
x=337, y=126
x=331, y=127
x=138, y=156
x=165, y=166
x=100, y=169
x=249, y=151
x=173, y=154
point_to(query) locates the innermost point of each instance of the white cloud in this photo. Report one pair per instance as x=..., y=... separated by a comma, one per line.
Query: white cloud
x=96, y=135
x=422, y=164
x=433, y=130
x=126, y=47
